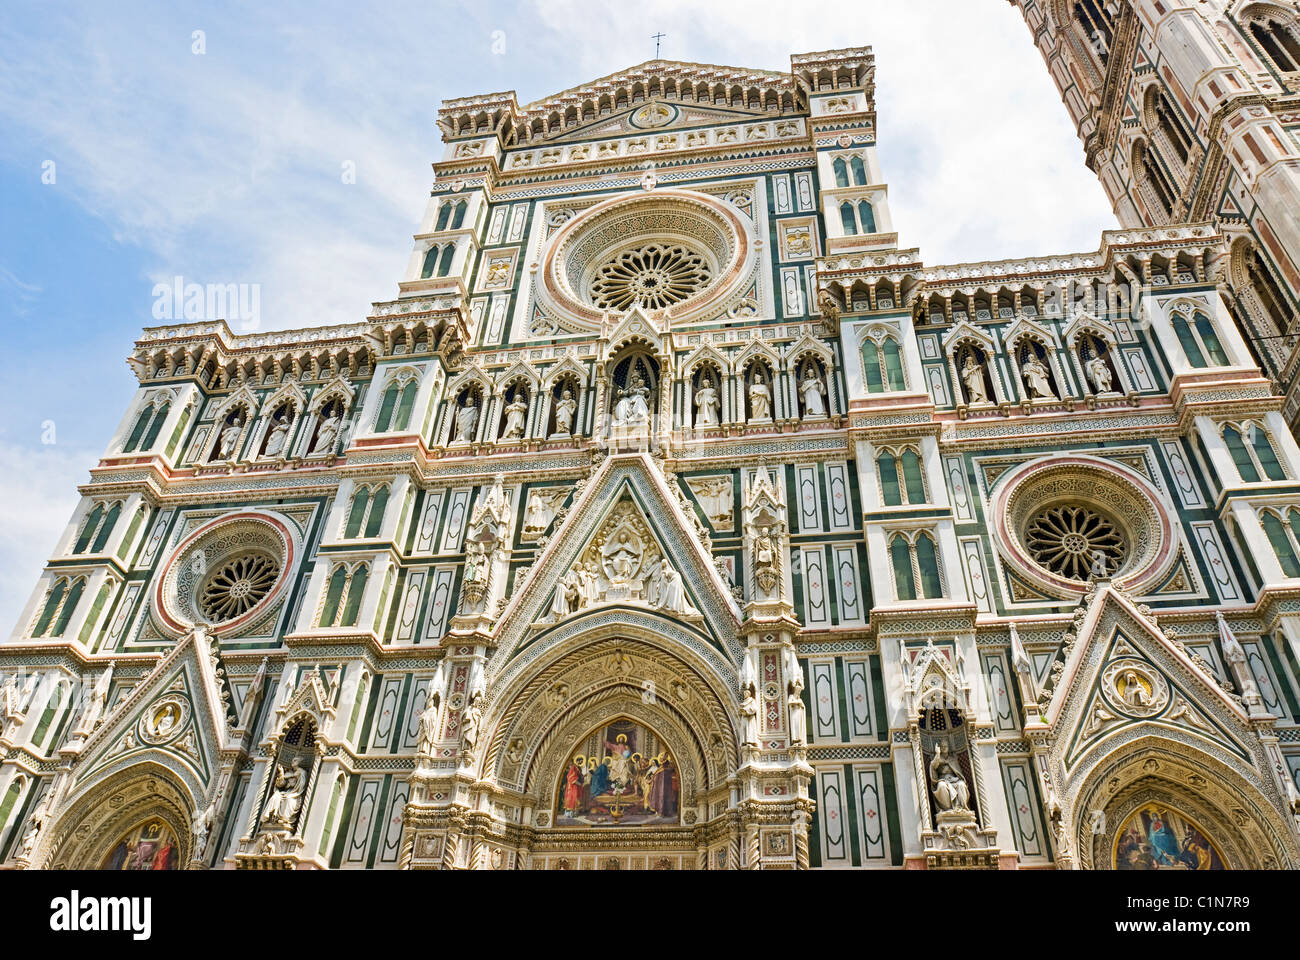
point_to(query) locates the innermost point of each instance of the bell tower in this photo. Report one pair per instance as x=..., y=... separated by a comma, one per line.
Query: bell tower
x=1187, y=112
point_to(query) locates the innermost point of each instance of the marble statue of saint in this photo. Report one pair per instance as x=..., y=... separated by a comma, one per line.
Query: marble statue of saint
x=278, y=436
x=632, y=410
x=760, y=399
x=567, y=596
x=706, y=402
x=950, y=789
x=325, y=436
x=201, y=826
x=798, y=719
x=40, y=816
x=588, y=586
x=515, y=412
x=286, y=794
x=972, y=374
x=469, y=725
x=673, y=596
x=814, y=395
x=564, y=408
x=466, y=420
x=427, y=733
x=537, y=516
x=229, y=437
x=764, y=550
x=1099, y=374
x=1035, y=374
x=749, y=715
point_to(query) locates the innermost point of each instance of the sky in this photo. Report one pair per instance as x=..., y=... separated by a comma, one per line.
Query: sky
x=144, y=141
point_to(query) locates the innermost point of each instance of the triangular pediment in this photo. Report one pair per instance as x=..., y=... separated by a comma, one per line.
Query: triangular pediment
x=657, y=117
x=608, y=554
x=176, y=716
x=1123, y=676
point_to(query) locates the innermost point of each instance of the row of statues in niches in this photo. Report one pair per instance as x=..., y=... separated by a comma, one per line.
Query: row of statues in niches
x=318, y=438
x=632, y=398
x=1039, y=369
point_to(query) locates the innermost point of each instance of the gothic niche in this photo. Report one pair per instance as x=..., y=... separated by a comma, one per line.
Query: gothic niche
x=1036, y=375
x=466, y=411
x=949, y=778
x=634, y=390
x=564, y=407
x=228, y=433
x=290, y=775
x=758, y=386
x=622, y=564
x=514, y=417
x=328, y=427
x=276, y=440
x=619, y=775
x=1098, y=364
x=973, y=370
x=706, y=385
x=810, y=375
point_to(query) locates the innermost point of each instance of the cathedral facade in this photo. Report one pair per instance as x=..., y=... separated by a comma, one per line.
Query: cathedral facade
x=673, y=516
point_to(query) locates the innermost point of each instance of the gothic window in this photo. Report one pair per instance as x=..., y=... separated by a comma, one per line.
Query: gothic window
x=147, y=427
x=882, y=365
x=902, y=480
x=1279, y=41
x=1097, y=20
x=366, y=515
x=444, y=217
x=397, y=403
x=916, y=567
x=1284, y=536
x=60, y=603
x=1199, y=340
x=430, y=263
x=859, y=172
x=841, y=172
x=1153, y=182
x=847, y=218
x=852, y=169
x=444, y=264
x=97, y=528
x=458, y=218
x=343, y=595
x=1169, y=126
x=1252, y=452
x=859, y=219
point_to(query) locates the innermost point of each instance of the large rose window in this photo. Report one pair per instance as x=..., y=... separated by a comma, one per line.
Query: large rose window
x=229, y=573
x=687, y=254
x=652, y=276
x=1059, y=520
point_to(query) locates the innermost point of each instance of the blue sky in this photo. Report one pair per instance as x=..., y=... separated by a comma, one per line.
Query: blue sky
x=225, y=166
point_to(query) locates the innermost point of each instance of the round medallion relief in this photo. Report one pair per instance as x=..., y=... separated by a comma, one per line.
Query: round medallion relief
x=1134, y=689
x=228, y=573
x=1059, y=520
x=164, y=719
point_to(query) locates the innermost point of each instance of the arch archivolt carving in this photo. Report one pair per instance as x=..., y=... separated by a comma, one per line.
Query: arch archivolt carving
x=97, y=818
x=1152, y=767
x=591, y=680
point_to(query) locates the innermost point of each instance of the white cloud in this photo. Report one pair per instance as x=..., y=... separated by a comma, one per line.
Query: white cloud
x=44, y=482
